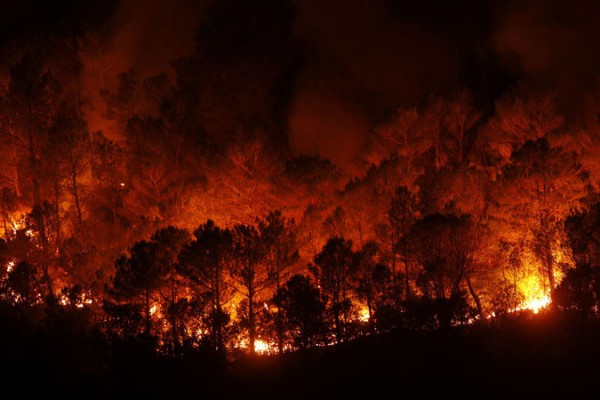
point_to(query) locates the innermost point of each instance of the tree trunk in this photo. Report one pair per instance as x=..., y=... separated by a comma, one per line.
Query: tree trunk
x=406, y=278
x=279, y=317
x=40, y=219
x=174, y=321
x=217, y=318
x=75, y=190
x=251, y=325
x=148, y=316
x=57, y=209
x=475, y=296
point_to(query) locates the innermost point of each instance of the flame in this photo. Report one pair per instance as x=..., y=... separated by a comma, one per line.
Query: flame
x=363, y=314
x=261, y=347
x=153, y=309
x=9, y=266
x=536, y=294
x=536, y=304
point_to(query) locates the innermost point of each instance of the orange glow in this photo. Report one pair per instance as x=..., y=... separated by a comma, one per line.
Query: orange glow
x=363, y=314
x=536, y=304
x=261, y=347
x=536, y=294
x=9, y=266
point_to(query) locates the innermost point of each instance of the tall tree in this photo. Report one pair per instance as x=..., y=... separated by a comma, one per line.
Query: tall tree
x=535, y=194
x=33, y=99
x=249, y=272
x=439, y=245
x=460, y=118
x=402, y=215
x=279, y=235
x=138, y=277
x=302, y=309
x=204, y=262
x=171, y=241
x=333, y=271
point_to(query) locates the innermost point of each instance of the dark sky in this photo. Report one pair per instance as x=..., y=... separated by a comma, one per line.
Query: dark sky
x=362, y=59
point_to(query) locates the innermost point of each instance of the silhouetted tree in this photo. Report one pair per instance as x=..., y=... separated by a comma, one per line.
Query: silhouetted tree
x=303, y=311
x=583, y=233
x=402, y=215
x=459, y=119
x=249, y=272
x=440, y=246
x=204, y=263
x=22, y=284
x=376, y=286
x=333, y=271
x=535, y=194
x=171, y=241
x=579, y=292
x=137, y=278
x=279, y=235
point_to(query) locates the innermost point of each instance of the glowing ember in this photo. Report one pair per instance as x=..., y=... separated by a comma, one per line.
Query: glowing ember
x=153, y=309
x=9, y=266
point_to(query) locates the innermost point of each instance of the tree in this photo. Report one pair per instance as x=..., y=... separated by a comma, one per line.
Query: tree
x=333, y=270
x=302, y=309
x=279, y=235
x=171, y=241
x=460, y=118
x=583, y=234
x=71, y=142
x=444, y=247
x=523, y=114
x=204, y=263
x=399, y=137
x=535, y=194
x=32, y=102
x=402, y=215
x=375, y=286
x=249, y=252
x=22, y=284
x=579, y=292
x=137, y=278
x=108, y=164
x=432, y=122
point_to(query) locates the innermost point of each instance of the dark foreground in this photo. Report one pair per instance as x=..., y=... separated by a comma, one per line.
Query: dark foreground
x=542, y=356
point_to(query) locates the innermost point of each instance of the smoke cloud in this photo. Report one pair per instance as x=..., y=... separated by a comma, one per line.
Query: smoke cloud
x=554, y=43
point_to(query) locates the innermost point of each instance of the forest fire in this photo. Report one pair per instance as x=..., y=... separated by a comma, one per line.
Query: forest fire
x=187, y=183
x=261, y=347
x=536, y=304
x=535, y=296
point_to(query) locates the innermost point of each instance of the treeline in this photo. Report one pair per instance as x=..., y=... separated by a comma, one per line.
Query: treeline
x=228, y=289
x=449, y=214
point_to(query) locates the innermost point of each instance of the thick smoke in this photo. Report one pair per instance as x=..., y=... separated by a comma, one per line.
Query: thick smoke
x=360, y=58
x=321, y=123
x=142, y=35
x=554, y=43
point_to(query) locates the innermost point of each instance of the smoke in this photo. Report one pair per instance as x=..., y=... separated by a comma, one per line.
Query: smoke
x=360, y=58
x=554, y=43
x=320, y=123
x=142, y=35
